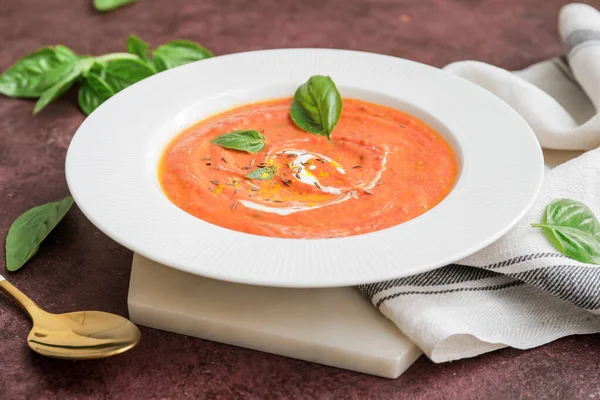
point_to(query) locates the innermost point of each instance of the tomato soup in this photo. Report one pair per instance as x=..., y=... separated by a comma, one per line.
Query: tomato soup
x=382, y=167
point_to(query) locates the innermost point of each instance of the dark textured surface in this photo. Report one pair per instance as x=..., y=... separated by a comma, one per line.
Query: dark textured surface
x=80, y=268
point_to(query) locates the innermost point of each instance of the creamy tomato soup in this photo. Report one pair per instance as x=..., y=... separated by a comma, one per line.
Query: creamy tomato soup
x=381, y=168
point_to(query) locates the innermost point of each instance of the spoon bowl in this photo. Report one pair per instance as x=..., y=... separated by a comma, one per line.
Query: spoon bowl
x=81, y=335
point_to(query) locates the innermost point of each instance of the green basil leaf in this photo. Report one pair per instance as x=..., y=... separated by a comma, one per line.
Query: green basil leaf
x=68, y=58
x=96, y=68
x=159, y=63
x=99, y=85
x=56, y=90
x=263, y=174
x=137, y=46
x=30, y=229
x=63, y=53
x=36, y=72
x=574, y=230
x=178, y=52
x=122, y=73
x=93, y=92
x=107, y=5
x=317, y=106
x=250, y=141
x=104, y=80
x=88, y=99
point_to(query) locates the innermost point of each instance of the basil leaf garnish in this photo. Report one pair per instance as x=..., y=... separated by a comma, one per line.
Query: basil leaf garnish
x=36, y=72
x=178, y=52
x=30, y=229
x=120, y=74
x=82, y=66
x=103, y=81
x=93, y=92
x=107, y=5
x=263, y=174
x=65, y=54
x=89, y=99
x=99, y=85
x=573, y=229
x=68, y=58
x=137, y=46
x=56, y=90
x=317, y=106
x=250, y=141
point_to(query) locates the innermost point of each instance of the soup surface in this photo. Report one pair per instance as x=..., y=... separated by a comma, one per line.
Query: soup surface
x=381, y=168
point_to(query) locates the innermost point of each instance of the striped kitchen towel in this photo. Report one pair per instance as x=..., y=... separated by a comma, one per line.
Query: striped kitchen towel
x=519, y=291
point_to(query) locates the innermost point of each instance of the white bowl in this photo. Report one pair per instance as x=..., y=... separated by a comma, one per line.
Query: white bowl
x=112, y=164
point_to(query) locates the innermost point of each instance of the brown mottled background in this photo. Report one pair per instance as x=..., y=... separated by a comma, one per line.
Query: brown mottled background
x=80, y=268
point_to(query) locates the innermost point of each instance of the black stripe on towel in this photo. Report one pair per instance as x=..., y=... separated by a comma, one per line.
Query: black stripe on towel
x=453, y=273
x=450, y=274
x=466, y=289
x=574, y=283
x=520, y=259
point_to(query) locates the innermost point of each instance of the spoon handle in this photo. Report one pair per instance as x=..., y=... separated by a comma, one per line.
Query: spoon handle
x=25, y=302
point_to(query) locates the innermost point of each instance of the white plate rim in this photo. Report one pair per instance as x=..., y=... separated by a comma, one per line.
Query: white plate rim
x=110, y=177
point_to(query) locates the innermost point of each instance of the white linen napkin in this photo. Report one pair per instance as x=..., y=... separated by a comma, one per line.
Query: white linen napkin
x=519, y=291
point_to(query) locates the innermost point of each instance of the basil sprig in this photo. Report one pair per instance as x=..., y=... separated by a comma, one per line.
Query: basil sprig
x=263, y=174
x=573, y=229
x=317, y=106
x=30, y=229
x=49, y=72
x=250, y=141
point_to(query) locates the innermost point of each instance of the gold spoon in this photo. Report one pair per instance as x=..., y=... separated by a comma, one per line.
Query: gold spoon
x=81, y=335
